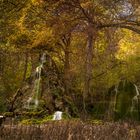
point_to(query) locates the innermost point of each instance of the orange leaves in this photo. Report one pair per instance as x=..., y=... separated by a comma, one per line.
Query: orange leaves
x=86, y=5
x=37, y=2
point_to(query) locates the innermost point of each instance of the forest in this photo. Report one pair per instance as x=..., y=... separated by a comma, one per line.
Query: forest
x=80, y=57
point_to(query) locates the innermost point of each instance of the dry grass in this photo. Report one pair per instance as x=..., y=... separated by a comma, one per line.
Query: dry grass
x=72, y=130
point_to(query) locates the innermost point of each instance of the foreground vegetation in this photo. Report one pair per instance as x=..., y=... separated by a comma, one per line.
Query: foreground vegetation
x=72, y=130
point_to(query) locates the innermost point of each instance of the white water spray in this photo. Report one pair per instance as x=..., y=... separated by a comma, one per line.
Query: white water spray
x=137, y=91
x=43, y=58
x=57, y=115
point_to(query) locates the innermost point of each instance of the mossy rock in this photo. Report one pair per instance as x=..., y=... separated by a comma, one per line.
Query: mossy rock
x=42, y=120
x=8, y=114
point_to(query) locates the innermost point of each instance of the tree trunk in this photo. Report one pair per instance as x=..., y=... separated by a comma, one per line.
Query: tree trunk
x=66, y=71
x=66, y=43
x=25, y=66
x=91, y=36
x=1, y=63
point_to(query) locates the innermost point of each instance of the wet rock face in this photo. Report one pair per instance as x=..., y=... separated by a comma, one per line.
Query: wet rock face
x=125, y=100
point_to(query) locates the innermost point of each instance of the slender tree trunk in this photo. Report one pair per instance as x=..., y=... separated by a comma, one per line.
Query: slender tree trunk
x=3, y=56
x=1, y=63
x=91, y=36
x=25, y=66
x=67, y=64
x=66, y=70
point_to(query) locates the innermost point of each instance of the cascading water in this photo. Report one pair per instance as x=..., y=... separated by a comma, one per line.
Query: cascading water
x=57, y=115
x=135, y=99
x=126, y=100
x=33, y=101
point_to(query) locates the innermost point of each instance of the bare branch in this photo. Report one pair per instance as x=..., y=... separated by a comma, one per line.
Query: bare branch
x=119, y=25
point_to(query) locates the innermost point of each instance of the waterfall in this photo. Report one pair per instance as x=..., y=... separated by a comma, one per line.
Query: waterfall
x=33, y=101
x=43, y=58
x=57, y=115
x=137, y=91
x=135, y=99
